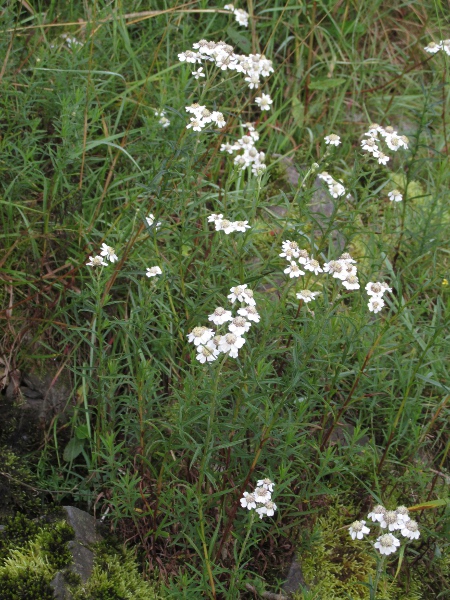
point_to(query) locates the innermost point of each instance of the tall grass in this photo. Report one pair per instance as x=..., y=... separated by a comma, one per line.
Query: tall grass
x=328, y=400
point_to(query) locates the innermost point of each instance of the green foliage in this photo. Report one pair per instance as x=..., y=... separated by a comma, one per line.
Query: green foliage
x=326, y=398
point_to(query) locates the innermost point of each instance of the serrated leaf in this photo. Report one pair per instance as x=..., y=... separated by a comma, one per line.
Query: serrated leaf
x=73, y=449
x=298, y=111
x=239, y=40
x=326, y=83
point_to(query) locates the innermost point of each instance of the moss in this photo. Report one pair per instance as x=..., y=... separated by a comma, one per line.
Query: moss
x=16, y=485
x=335, y=566
x=115, y=577
x=30, y=556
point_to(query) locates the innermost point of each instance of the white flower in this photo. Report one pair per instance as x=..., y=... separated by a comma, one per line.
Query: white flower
x=294, y=270
x=394, y=142
x=347, y=258
x=375, y=304
x=200, y=335
x=377, y=513
x=198, y=73
x=189, y=57
x=226, y=226
x=253, y=81
x=248, y=501
x=96, y=261
x=196, y=124
x=395, y=196
x=218, y=118
x=402, y=513
x=432, y=48
x=332, y=139
x=164, y=122
x=336, y=189
x=385, y=131
x=386, y=287
x=391, y=520
x=266, y=483
x=446, y=46
x=109, y=252
x=230, y=343
x=370, y=145
x=153, y=271
x=206, y=353
x=306, y=295
x=382, y=158
x=231, y=8
x=387, y=544
x=227, y=148
x=251, y=313
x=241, y=225
x=374, y=130
x=151, y=219
x=289, y=254
x=213, y=218
x=248, y=298
x=239, y=326
x=195, y=108
x=264, y=101
x=268, y=509
x=351, y=283
x=410, y=529
x=313, y=266
x=358, y=530
x=220, y=316
x=374, y=288
x=241, y=17
x=237, y=293
x=262, y=494
x=326, y=177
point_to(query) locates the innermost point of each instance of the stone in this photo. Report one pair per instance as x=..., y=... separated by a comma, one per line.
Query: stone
x=295, y=581
x=83, y=560
x=83, y=524
x=60, y=589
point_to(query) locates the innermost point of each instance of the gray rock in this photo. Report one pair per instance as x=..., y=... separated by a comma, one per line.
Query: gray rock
x=52, y=386
x=60, y=589
x=83, y=524
x=295, y=581
x=83, y=560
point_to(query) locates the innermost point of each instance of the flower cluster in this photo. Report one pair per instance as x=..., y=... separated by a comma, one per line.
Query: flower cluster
x=227, y=226
x=202, y=116
x=210, y=344
x=260, y=499
x=253, y=66
x=240, y=15
x=163, y=120
x=393, y=520
x=377, y=134
x=376, y=291
x=344, y=269
x=98, y=261
x=335, y=188
x=249, y=155
x=444, y=45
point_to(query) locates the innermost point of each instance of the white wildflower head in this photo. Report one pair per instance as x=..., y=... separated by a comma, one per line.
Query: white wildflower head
x=351, y=283
x=375, y=304
x=248, y=501
x=264, y=101
x=432, y=47
x=248, y=297
x=250, y=313
x=198, y=73
x=410, y=529
x=377, y=513
x=230, y=343
x=306, y=295
x=402, y=513
x=153, y=271
x=395, y=196
x=266, y=484
x=200, y=335
x=313, y=266
x=387, y=544
x=268, y=509
x=207, y=353
x=237, y=293
x=358, y=530
x=391, y=520
x=332, y=139
x=220, y=316
x=96, y=261
x=151, y=221
x=294, y=270
x=239, y=325
x=109, y=252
